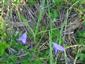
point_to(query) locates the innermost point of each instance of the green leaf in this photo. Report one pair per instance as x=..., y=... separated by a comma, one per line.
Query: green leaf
x=54, y=14
x=58, y=2
x=3, y=46
x=82, y=2
x=16, y=2
x=1, y=23
x=31, y=2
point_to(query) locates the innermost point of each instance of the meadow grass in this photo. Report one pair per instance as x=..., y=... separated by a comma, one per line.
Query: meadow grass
x=38, y=22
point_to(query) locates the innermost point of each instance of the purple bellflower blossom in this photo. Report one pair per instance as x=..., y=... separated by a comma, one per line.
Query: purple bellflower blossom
x=23, y=38
x=57, y=48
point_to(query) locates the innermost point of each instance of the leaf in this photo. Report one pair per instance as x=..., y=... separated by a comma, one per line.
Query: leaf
x=31, y=2
x=16, y=2
x=58, y=2
x=3, y=46
x=1, y=23
x=82, y=2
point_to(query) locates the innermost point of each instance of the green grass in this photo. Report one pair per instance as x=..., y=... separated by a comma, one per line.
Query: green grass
x=41, y=32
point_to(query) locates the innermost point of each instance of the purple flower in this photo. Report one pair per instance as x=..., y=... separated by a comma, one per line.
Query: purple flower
x=58, y=48
x=23, y=38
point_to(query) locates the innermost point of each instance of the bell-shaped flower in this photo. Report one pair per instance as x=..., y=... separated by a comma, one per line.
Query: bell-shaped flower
x=57, y=48
x=23, y=38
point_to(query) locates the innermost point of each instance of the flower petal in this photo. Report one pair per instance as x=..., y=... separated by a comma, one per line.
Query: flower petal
x=57, y=47
x=23, y=38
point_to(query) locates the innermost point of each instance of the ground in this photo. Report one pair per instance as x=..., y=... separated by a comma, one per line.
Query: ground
x=42, y=32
